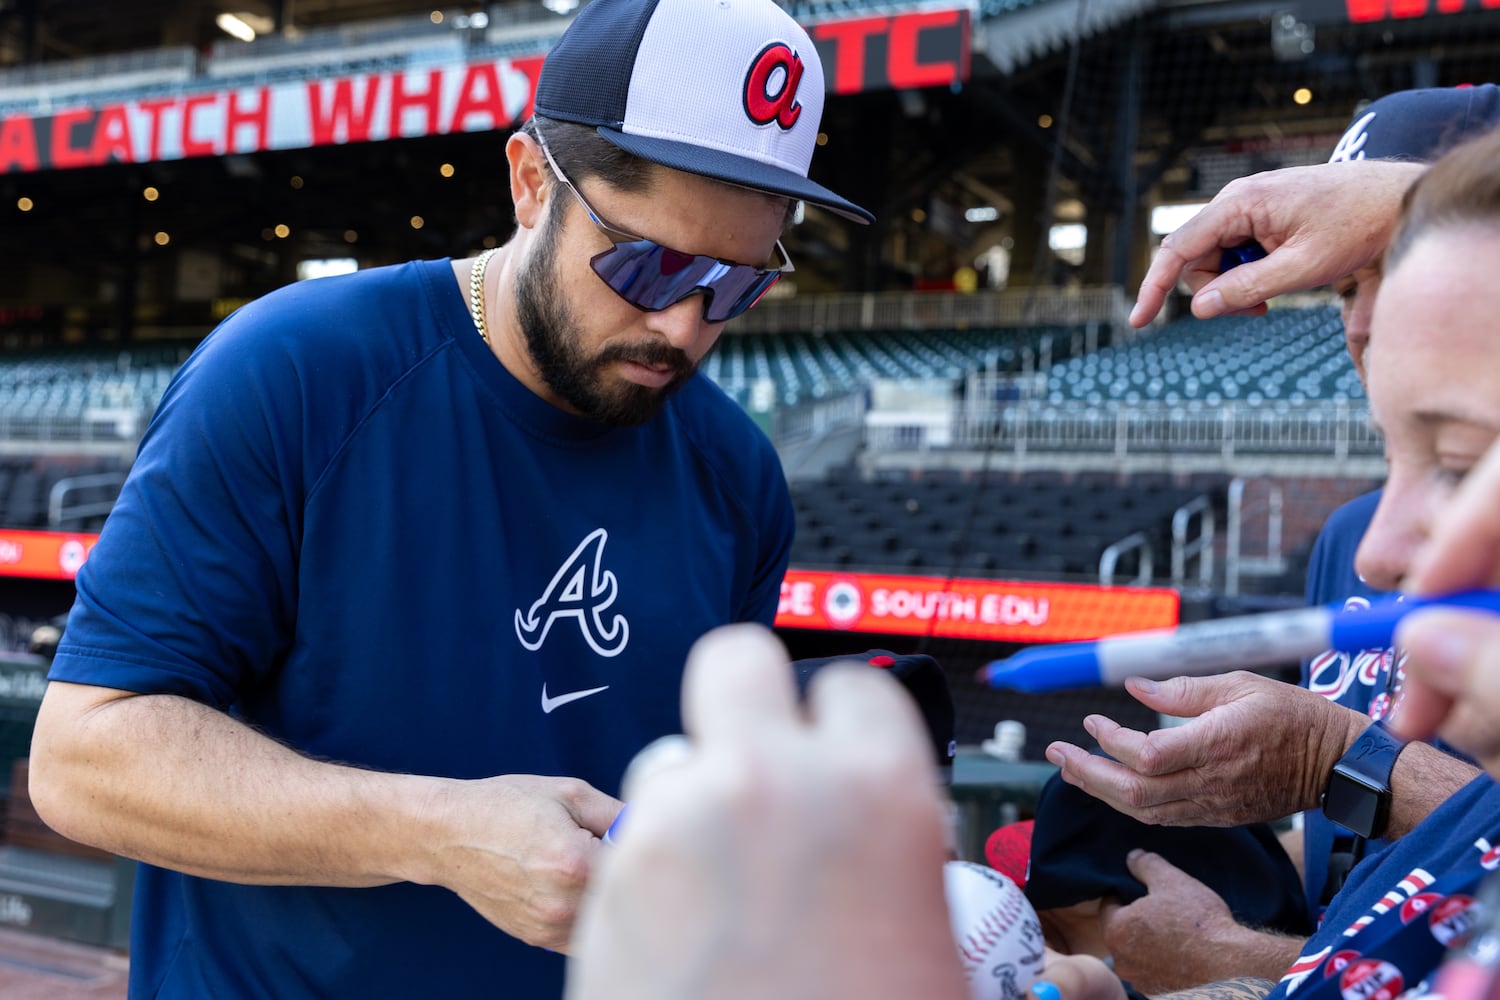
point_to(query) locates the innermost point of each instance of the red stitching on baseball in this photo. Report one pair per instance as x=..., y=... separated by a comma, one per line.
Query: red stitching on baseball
x=980, y=940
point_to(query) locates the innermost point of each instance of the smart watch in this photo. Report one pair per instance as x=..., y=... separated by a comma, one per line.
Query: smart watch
x=1358, y=796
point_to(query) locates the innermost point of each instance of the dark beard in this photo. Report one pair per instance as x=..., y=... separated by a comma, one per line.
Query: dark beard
x=552, y=341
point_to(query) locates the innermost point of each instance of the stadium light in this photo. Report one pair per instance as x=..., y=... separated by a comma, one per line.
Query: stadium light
x=234, y=25
x=1166, y=218
x=1068, y=236
x=325, y=267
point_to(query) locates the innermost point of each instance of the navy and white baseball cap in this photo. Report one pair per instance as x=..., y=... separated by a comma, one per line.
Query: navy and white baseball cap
x=1419, y=124
x=727, y=89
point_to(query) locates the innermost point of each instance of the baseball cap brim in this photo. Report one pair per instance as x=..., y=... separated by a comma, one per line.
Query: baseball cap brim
x=737, y=170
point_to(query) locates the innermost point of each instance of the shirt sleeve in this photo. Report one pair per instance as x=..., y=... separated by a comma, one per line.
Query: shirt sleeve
x=191, y=588
x=777, y=526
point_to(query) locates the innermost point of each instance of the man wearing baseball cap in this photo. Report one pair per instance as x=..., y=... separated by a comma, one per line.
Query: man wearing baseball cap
x=410, y=560
x=1146, y=936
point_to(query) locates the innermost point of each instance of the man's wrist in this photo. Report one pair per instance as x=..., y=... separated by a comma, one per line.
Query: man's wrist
x=1358, y=795
x=1332, y=730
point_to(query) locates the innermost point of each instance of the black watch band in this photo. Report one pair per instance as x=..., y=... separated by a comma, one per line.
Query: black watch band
x=1358, y=796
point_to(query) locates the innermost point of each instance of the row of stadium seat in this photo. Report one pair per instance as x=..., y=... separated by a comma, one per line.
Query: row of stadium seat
x=68, y=384
x=1295, y=355
x=1292, y=355
x=1041, y=524
x=807, y=367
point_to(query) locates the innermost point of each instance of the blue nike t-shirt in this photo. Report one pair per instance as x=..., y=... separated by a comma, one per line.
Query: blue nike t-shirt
x=351, y=527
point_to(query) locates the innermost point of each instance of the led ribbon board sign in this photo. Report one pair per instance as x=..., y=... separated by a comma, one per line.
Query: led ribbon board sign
x=1000, y=610
x=927, y=48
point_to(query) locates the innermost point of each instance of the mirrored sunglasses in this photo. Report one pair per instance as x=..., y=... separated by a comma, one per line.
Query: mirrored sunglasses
x=653, y=277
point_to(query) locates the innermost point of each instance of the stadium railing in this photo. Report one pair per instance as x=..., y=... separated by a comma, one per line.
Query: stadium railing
x=380, y=44
x=71, y=433
x=1337, y=429
x=808, y=11
x=82, y=498
x=813, y=420
x=1104, y=308
x=42, y=86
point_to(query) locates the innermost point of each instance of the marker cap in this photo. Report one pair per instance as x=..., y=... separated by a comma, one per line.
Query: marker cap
x=1066, y=668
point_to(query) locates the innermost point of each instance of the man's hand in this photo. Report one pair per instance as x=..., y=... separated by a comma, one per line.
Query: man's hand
x=1317, y=223
x=1255, y=750
x=519, y=848
x=1181, y=933
x=1074, y=929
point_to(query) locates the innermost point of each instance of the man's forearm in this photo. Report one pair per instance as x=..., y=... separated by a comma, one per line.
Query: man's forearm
x=175, y=783
x=1423, y=779
x=1256, y=953
x=1211, y=954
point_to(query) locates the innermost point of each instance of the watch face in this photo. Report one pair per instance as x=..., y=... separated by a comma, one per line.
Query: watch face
x=1355, y=803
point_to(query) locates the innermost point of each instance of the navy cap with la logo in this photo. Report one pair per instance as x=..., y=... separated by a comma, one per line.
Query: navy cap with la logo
x=728, y=89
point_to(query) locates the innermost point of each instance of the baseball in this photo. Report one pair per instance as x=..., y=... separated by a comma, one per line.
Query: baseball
x=999, y=937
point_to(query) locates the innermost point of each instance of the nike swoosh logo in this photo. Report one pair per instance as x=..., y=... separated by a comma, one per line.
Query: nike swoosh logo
x=548, y=704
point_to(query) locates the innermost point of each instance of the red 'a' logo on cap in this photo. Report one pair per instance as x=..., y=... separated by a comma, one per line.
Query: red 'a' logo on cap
x=764, y=105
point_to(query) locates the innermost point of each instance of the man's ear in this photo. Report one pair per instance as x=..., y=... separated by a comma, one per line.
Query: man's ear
x=530, y=185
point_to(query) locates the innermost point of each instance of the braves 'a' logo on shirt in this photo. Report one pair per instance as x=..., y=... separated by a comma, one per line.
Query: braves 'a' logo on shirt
x=582, y=590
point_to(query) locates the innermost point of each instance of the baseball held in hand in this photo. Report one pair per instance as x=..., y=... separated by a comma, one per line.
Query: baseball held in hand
x=999, y=937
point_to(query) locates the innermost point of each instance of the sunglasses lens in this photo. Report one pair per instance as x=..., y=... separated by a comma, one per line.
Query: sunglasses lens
x=727, y=303
x=653, y=277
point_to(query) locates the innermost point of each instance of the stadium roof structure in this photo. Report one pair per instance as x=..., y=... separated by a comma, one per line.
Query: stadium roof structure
x=1016, y=32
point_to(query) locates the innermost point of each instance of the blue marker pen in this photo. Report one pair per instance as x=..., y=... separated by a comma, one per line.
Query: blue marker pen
x=613, y=831
x=1214, y=647
x=1232, y=257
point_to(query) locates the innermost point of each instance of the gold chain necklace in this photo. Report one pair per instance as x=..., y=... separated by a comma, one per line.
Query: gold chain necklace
x=476, y=291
